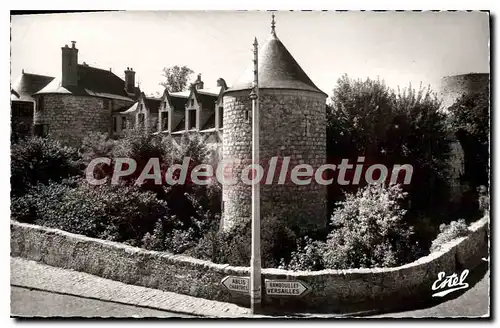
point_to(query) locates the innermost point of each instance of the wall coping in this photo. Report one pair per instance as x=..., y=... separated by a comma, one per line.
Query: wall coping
x=226, y=268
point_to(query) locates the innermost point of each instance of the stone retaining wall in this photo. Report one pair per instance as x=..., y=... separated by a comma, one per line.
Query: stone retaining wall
x=331, y=290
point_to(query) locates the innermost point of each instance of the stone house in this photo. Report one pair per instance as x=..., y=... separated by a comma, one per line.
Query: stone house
x=83, y=100
x=22, y=102
x=142, y=114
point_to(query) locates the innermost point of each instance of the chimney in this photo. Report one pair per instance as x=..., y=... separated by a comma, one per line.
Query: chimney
x=69, y=65
x=221, y=83
x=198, y=83
x=130, y=80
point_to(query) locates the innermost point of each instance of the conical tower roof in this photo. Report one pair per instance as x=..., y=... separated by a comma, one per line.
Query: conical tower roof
x=277, y=69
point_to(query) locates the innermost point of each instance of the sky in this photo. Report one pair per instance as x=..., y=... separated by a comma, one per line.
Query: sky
x=398, y=47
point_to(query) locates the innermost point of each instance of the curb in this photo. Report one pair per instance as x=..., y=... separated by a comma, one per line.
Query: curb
x=41, y=277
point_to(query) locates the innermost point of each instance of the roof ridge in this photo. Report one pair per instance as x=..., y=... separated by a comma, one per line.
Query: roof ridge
x=48, y=76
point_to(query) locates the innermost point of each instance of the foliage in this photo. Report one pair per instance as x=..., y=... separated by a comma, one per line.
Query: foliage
x=96, y=144
x=41, y=160
x=117, y=213
x=234, y=246
x=448, y=232
x=307, y=257
x=176, y=78
x=367, y=118
x=369, y=230
x=484, y=199
x=469, y=120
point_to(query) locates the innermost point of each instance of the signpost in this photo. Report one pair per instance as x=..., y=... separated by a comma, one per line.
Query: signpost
x=286, y=288
x=236, y=284
x=255, y=263
x=295, y=288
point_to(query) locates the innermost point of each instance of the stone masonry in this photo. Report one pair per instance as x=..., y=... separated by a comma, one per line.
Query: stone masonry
x=292, y=124
x=71, y=118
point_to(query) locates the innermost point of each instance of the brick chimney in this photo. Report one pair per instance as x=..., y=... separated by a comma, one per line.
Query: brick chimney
x=130, y=80
x=198, y=83
x=69, y=65
x=221, y=83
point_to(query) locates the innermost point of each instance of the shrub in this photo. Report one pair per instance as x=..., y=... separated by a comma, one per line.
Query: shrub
x=448, y=232
x=369, y=230
x=307, y=257
x=96, y=145
x=117, y=213
x=234, y=246
x=154, y=241
x=484, y=200
x=41, y=160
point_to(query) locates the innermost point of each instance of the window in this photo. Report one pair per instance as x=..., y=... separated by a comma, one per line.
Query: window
x=115, y=124
x=164, y=121
x=192, y=119
x=124, y=123
x=41, y=130
x=192, y=102
x=39, y=103
x=247, y=115
x=141, y=120
x=221, y=116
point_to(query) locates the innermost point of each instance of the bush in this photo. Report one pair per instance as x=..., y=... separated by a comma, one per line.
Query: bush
x=484, y=200
x=234, y=246
x=307, y=257
x=41, y=160
x=115, y=213
x=369, y=231
x=448, y=232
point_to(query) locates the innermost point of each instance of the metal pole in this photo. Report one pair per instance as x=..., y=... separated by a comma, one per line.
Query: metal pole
x=255, y=275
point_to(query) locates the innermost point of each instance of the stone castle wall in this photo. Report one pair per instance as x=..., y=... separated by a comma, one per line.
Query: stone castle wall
x=454, y=87
x=292, y=124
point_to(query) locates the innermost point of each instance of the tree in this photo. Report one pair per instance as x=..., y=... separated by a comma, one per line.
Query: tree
x=367, y=118
x=469, y=119
x=176, y=78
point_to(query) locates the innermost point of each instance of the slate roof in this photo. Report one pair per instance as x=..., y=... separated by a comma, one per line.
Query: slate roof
x=181, y=126
x=28, y=84
x=153, y=104
x=277, y=70
x=92, y=82
x=207, y=100
x=178, y=101
x=209, y=123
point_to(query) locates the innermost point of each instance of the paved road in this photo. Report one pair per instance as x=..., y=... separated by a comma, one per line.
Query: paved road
x=472, y=303
x=41, y=290
x=28, y=302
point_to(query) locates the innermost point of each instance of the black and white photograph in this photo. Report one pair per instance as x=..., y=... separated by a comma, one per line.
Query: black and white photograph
x=250, y=164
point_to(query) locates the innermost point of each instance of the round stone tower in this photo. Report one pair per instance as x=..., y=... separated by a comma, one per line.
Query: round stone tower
x=292, y=124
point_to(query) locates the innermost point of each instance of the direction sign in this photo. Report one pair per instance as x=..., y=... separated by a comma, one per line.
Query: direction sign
x=237, y=284
x=286, y=287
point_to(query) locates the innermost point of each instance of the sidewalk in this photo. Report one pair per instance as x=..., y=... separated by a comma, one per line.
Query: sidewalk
x=31, y=274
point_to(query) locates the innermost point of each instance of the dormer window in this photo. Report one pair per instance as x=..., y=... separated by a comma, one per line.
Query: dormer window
x=141, y=120
x=192, y=119
x=164, y=121
x=192, y=102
